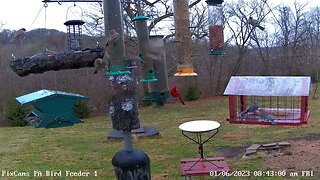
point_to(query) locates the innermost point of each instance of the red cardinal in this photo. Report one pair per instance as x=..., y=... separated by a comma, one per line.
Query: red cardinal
x=174, y=92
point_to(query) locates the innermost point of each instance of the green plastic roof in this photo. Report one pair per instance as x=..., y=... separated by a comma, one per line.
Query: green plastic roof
x=45, y=94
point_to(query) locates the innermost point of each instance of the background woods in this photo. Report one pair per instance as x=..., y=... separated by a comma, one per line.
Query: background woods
x=288, y=46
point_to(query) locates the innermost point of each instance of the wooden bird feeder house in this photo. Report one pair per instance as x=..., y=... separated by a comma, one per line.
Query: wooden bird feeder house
x=51, y=109
x=276, y=100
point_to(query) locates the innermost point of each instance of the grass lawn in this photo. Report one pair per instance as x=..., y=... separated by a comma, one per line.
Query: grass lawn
x=85, y=147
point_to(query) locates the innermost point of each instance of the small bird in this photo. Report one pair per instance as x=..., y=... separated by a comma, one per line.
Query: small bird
x=255, y=23
x=252, y=108
x=18, y=35
x=265, y=116
x=99, y=64
x=174, y=92
x=13, y=57
x=113, y=37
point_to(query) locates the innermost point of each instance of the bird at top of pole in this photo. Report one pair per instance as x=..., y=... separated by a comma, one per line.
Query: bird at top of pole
x=255, y=23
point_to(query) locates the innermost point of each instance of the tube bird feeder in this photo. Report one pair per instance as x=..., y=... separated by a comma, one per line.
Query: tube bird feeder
x=145, y=55
x=215, y=19
x=183, y=39
x=115, y=51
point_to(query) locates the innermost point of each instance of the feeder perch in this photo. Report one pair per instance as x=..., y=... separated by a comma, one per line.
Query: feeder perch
x=215, y=19
x=149, y=77
x=51, y=109
x=185, y=71
x=117, y=70
x=74, y=34
x=137, y=18
x=266, y=100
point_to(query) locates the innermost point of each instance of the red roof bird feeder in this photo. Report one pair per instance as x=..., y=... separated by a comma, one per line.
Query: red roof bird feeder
x=268, y=100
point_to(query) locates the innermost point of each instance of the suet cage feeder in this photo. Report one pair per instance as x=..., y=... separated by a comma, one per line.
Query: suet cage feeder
x=51, y=109
x=74, y=34
x=216, y=22
x=281, y=99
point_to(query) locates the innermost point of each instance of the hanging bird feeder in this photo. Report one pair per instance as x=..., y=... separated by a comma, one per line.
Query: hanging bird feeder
x=268, y=100
x=215, y=19
x=51, y=109
x=183, y=40
x=74, y=32
x=143, y=41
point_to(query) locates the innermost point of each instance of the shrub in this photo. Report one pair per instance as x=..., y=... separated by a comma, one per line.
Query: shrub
x=192, y=93
x=81, y=109
x=15, y=113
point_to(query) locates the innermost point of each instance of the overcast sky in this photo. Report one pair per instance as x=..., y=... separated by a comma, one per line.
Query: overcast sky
x=16, y=14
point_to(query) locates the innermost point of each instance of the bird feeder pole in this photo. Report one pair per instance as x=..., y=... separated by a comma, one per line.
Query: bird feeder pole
x=128, y=163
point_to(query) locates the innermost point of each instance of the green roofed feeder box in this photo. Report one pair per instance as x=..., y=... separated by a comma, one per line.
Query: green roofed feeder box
x=216, y=22
x=51, y=109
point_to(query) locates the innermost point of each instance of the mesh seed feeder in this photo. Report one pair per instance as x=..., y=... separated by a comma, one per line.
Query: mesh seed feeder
x=74, y=32
x=215, y=19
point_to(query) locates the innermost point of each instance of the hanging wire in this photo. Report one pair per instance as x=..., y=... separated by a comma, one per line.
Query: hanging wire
x=44, y=6
x=45, y=27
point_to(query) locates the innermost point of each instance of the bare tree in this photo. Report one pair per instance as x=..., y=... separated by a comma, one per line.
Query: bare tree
x=156, y=10
x=291, y=34
x=237, y=20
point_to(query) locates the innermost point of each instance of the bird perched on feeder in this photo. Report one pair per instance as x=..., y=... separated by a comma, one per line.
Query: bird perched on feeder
x=252, y=108
x=255, y=23
x=99, y=64
x=113, y=37
x=174, y=92
x=265, y=116
x=18, y=35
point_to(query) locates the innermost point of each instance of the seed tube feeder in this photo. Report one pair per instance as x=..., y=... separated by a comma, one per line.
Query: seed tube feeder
x=74, y=34
x=183, y=39
x=268, y=100
x=144, y=47
x=215, y=19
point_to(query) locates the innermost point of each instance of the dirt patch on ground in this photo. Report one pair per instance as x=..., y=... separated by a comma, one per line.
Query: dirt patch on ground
x=301, y=156
x=232, y=152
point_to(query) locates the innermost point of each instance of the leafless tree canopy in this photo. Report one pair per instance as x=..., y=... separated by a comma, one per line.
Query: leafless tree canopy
x=289, y=45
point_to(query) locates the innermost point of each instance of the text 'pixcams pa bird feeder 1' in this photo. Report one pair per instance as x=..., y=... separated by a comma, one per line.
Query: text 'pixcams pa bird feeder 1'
x=268, y=100
x=216, y=22
x=51, y=109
